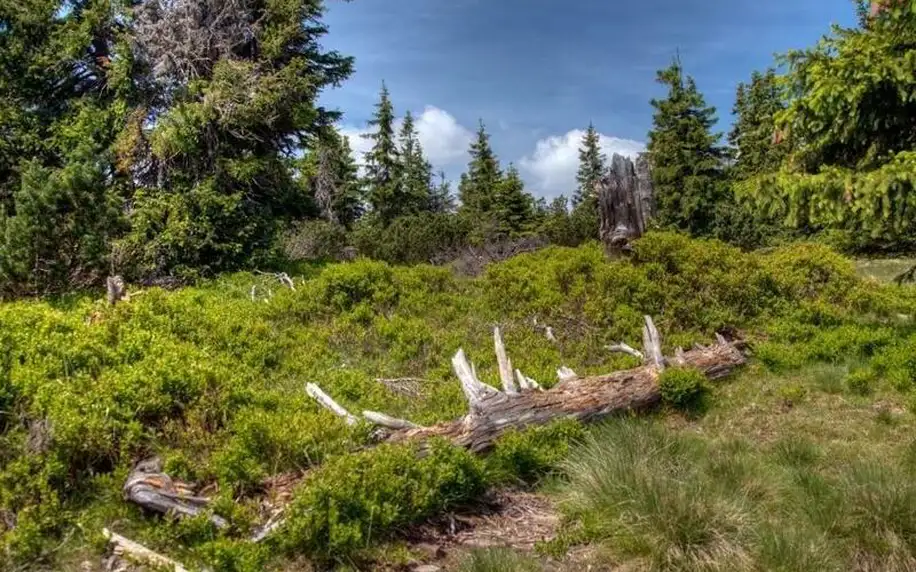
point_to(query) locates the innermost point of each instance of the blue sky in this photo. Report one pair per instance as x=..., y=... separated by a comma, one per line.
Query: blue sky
x=537, y=71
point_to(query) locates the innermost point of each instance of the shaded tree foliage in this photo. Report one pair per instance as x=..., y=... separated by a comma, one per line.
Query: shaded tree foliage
x=685, y=155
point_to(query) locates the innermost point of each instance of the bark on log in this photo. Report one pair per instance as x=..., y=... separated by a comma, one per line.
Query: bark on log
x=624, y=202
x=585, y=399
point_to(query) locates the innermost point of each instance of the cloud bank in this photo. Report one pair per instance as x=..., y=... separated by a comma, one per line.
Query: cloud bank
x=445, y=141
x=550, y=170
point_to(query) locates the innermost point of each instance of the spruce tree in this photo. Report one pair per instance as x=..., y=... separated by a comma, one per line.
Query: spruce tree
x=483, y=175
x=331, y=179
x=685, y=155
x=512, y=209
x=383, y=163
x=225, y=91
x=441, y=199
x=756, y=107
x=416, y=171
x=592, y=164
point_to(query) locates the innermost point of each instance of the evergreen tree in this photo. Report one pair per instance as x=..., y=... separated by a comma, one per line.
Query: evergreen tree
x=330, y=176
x=383, y=163
x=61, y=107
x=441, y=199
x=592, y=164
x=685, y=155
x=756, y=107
x=513, y=209
x=483, y=175
x=416, y=171
x=225, y=91
x=849, y=130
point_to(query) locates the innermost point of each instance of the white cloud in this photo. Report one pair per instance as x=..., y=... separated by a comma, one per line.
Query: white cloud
x=551, y=169
x=445, y=141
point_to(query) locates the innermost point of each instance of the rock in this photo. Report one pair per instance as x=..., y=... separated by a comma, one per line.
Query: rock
x=427, y=568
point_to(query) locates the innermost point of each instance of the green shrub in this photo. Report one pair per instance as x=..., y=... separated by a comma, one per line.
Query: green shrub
x=525, y=456
x=413, y=239
x=683, y=388
x=358, y=498
x=860, y=381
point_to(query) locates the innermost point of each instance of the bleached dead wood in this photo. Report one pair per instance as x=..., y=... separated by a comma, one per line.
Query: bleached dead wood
x=625, y=349
x=325, y=400
x=116, y=289
x=652, y=344
x=505, y=366
x=565, y=374
x=154, y=490
x=134, y=550
x=492, y=412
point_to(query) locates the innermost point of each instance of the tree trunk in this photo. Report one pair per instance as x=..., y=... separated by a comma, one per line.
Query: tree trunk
x=624, y=202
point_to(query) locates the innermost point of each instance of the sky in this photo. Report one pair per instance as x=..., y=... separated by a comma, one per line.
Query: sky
x=538, y=71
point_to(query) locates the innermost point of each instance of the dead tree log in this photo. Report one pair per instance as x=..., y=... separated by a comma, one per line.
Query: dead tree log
x=493, y=412
x=152, y=489
x=624, y=202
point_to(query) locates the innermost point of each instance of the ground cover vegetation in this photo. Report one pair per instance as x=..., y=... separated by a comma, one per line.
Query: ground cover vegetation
x=182, y=142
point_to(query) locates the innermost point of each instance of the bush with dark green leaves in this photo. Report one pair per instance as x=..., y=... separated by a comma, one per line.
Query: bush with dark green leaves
x=683, y=388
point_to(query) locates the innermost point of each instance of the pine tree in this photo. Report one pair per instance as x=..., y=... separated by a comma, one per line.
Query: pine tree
x=756, y=107
x=224, y=92
x=383, y=163
x=592, y=164
x=483, y=175
x=685, y=155
x=416, y=171
x=849, y=130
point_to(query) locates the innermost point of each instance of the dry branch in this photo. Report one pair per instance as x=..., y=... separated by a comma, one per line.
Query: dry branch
x=625, y=349
x=125, y=547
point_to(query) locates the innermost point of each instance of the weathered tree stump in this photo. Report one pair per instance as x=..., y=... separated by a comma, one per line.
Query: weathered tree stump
x=625, y=203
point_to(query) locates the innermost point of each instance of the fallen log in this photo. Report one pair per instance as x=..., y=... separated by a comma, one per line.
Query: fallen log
x=493, y=412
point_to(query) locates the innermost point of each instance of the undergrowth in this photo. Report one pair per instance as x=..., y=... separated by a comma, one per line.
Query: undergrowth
x=212, y=379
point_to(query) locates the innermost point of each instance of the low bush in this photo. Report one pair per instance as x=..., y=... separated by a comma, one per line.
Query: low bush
x=683, y=388
x=358, y=498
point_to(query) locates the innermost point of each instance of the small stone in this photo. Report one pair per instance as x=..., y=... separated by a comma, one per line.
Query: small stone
x=427, y=568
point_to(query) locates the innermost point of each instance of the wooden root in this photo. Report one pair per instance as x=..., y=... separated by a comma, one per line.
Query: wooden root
x=523, y=403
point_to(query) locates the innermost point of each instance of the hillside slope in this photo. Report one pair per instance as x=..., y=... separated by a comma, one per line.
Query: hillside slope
x=211, y=379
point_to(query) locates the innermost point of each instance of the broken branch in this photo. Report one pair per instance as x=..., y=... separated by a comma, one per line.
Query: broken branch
x=126, y=547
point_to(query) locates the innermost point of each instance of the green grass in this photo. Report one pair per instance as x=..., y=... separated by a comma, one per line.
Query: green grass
x=823, y=484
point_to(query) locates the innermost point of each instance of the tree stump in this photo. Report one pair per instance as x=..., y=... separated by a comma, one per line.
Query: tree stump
x=625, y=202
